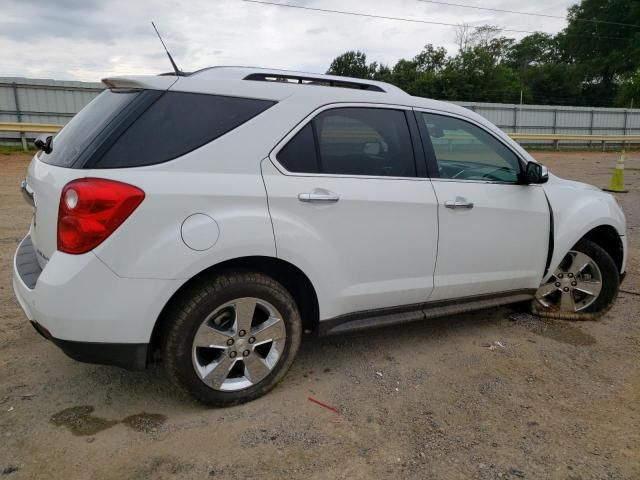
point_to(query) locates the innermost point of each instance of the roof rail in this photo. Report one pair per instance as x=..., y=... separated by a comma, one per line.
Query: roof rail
x=303, y=80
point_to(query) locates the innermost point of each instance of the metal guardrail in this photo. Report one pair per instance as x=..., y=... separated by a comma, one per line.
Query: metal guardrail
x=555, y=138
x=29, y=127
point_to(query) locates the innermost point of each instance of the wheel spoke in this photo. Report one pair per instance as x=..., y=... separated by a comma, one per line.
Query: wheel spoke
x=270, y=330
x=219, y=371
x=546, y=290
x=578, y=263
x=567, y=303
x=255, y=368
x=245, y=308
x=589, y=287
x=207, y=336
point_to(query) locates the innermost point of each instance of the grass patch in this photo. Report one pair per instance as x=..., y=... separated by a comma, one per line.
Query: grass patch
x=10, y=149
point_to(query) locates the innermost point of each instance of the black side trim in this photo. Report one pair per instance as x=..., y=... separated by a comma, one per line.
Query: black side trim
x=418, y=150
x=429, y=153
x=131, y=356
x=419, y=311
x=551, y=236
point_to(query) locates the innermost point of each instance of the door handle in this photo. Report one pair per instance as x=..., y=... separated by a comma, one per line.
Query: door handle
x=459, y=202
x=318, y=197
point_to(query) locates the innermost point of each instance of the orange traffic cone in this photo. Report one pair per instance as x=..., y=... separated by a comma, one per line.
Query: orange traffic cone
x=617, y=179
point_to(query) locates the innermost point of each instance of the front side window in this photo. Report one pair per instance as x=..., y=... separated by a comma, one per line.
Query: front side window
x=353, y=141
x=466, y=152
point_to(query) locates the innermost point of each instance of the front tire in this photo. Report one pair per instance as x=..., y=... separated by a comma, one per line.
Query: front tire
x=231, y=338
x=583, y=287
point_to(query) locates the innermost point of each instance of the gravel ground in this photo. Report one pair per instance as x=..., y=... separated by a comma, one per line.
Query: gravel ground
x=496, y=394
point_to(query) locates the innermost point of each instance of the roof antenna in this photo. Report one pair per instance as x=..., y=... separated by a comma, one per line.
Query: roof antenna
x=178, y=72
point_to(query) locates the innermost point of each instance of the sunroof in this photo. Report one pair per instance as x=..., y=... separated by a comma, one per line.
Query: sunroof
x=295, y=79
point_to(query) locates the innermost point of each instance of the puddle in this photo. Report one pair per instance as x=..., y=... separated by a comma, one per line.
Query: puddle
x=80, y=421
x=562, y=331
x=145, y=422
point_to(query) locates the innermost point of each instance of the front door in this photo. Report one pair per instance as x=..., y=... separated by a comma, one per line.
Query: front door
x=350, y=209
x=494, y=232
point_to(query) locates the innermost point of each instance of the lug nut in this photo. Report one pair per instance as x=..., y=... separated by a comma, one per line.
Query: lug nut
x=242, y=333
x=566, y=289
x=557, y=284
x=560, y=275
x=246, y=353
x=233, y=354
x=252, y=339
x=573, y=284
x=570, y=275
x=230, y=342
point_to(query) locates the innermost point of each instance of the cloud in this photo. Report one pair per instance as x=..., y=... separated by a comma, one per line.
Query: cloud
x=92, y=39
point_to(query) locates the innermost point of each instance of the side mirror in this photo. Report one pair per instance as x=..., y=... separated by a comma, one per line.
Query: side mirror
x=43, y=142
x=535, y=173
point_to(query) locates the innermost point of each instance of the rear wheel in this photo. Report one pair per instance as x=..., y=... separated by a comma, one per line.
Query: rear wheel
x=231, y=339
x=583, y=287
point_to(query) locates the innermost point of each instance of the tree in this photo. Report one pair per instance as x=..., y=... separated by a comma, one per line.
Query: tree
x=430, y=59
x=350, y=64
x=475, y=75
x=604, y=52
x=595, y=63
x=629, y=92
x=468, y=36
x=533, y=50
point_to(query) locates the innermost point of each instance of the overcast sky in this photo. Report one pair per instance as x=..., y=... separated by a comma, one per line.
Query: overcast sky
x=91, y=39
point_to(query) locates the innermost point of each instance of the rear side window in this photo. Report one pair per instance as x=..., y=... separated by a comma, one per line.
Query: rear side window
x=176, y=124
x=353, y=141
x=83, y=128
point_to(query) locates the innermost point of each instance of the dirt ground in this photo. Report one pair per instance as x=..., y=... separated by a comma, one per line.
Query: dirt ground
x=440, y=399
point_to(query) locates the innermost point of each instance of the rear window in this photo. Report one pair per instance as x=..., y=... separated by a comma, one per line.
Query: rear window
x=83, y=128
x=178, y=123
x=146, y=127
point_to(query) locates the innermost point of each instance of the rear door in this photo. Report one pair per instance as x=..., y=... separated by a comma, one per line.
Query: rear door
x=352, y=207
x=494, y=232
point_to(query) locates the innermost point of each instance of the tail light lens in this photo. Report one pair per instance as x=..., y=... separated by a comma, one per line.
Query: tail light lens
x=91, y=209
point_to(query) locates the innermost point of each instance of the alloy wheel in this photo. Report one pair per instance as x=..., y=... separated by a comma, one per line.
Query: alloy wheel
x=238, y=344
x=574, y=286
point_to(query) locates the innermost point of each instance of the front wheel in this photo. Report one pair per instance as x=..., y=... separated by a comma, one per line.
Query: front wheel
x=232, y=338
x=583, y=287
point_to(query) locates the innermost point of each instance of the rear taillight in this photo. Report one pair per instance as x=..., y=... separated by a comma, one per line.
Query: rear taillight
x=91, y=209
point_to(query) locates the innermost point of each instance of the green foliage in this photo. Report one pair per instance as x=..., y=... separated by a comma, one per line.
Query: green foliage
x=629, y=91
x=588, y=63
x=351, y=64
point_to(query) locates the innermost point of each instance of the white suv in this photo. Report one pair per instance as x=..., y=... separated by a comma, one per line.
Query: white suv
x=209, y=219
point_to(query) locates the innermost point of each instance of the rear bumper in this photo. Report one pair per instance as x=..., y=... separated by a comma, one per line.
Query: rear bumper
x=85, y=309
x=132, y=356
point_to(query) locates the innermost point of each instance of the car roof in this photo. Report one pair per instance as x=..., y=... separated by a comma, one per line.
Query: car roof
x=274, y=84
x=278, y=85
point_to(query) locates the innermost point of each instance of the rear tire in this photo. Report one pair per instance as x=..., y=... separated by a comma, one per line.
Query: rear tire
x=583, y=287
x=231, y=337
